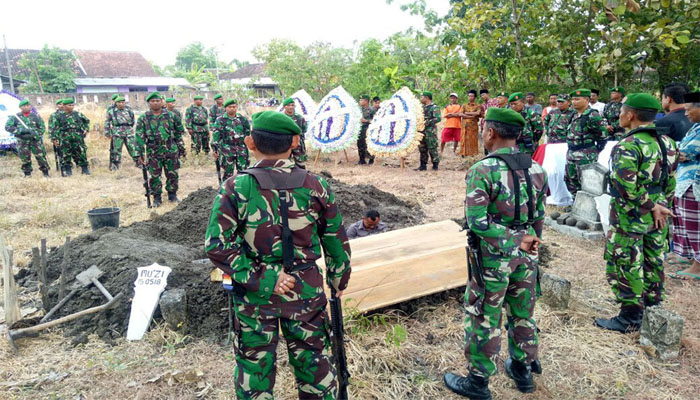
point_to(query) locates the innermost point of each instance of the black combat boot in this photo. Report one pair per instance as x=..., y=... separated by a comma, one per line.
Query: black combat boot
x=45, y=173
x=435, y=166
x=371, y=161
x=85, y=170
x=423, y=167
x=157, y=200
x=472, y=386
x=629, y=320
x=172, y=197
x=27, y=174
x=362, y=162
x=69, y=170
x=521, y=373
x=536, y=367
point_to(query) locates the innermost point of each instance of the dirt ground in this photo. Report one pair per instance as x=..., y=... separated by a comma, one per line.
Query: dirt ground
x=399, y=353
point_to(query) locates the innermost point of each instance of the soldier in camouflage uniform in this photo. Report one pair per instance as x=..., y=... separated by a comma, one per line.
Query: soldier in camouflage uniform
x=642, y=184
x=505, y=272
x=611, y=114
x=71, y=128
x=196, y=123
x=118, y=127
x=29, y=130
x=530, y=138
x=170, y=106
x=586, y=138
x=367, y=115
x=227, y=141
x=556, y=123
x=429, y=144
x=298, y=154
x=276, y=282
x=217, y=110
x=159, y=136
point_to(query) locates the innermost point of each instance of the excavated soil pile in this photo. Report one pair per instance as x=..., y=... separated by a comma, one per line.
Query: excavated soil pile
x=176, y=239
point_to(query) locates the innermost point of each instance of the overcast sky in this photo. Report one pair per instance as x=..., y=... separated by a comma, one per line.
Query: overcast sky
x=233, y=27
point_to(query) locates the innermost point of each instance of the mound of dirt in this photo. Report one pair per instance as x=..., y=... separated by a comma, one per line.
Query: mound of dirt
x=176, y=239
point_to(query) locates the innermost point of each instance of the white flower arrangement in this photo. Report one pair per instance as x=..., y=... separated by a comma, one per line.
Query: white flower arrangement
x=336, y=124
x=395, y=129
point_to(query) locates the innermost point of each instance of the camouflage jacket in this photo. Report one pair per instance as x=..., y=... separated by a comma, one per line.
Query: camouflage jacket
x=611, y=114
x=119, y=122
x=637, y=179
x=227, y=133
x=367, y=113
x=245, y=228
x=32, y=122
x=196, y=118
x=215, y=112
x=245, y=123
x=489, y=203
x=177, y=114
x=74, y=123
x=585, y=136
x=556, y=125
x=53, y=125
x=432, y=115
x=159, y=135
x=532, y=132
x=301, y=122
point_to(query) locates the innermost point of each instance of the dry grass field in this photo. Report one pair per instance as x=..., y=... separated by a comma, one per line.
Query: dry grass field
x=400, y=353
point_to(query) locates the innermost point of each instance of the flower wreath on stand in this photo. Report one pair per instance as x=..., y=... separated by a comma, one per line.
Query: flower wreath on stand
x=337, y=122
x=395, y=129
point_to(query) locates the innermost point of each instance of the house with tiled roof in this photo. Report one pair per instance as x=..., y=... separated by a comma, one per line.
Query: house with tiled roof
x=254, y=77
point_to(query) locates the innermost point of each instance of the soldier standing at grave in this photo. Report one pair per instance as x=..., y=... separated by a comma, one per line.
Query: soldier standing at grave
x=298, y=154
x=503, y=240
x=217, y=110
x=530, y=137
x=159, y=137
x=556, y=123
x=266, y=230
x=29, y=130
x=196, y=123
x=586, y=138
x=367, y=115
x=227, y=141
x=642, y=184
x=429, y=144
x=71, y=129
x=611, y=114
x=119, y=128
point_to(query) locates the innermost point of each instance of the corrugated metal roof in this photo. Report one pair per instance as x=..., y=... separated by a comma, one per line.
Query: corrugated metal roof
x=133, y=81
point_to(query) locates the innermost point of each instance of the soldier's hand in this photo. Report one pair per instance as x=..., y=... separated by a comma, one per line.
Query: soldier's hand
x=609, y=128
x=55, y=142
x=682, y=157
x=660, y=214
x=139, y=160
x=339, y=293
x=285, y=283
x=216, y=154
x=530, y=244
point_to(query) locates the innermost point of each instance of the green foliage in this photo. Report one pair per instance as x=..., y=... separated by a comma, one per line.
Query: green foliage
x=194, y=56
x=396, y=335
x=52, y=67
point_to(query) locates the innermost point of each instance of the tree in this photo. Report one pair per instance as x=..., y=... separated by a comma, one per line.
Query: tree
x=50, y=71
x=195, y=55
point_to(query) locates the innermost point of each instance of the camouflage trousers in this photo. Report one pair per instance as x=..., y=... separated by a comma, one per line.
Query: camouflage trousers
x=306, y=330
x=233, y=159
x=428, y=147
x=159, y=164
x=572, y=176
x=73, y=149
x=299, y=154
x=362, y=145
x=122, y=141
x=635, y=267
x=200, y=141
x=25, y=150
x=510, y=282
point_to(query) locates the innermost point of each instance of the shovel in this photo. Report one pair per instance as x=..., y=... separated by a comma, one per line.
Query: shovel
x=84, y=279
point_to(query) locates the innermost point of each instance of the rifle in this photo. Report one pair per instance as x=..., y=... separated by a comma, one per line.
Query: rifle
x=218, y=169
x=59, y=159
x=111, y=152
x=474, y=261
x=341, y=362
x=146, y=185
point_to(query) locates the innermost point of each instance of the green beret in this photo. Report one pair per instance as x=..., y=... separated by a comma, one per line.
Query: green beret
x=642, y=101
x=24, y=102
x=287, y=101
x=170, y=100
x=366, y=97
x=618, y=89
x=580, y=93
x=218, y=96
x=506, y=116
x=428, y=94
x=275, y=122
x=154, y=95
x=502, y=94
x=229, y=102
x=118, y=99
x=68, y=100
x=114, y=96
x=59, y=101
x=199, y=97
x=515, y=97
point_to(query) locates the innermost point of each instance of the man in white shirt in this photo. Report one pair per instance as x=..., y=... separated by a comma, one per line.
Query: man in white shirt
x=595, y=104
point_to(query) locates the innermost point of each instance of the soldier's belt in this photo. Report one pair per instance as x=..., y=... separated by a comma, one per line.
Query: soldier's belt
x=300, y=267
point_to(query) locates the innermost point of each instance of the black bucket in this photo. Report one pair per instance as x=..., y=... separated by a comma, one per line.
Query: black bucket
x=101, y=217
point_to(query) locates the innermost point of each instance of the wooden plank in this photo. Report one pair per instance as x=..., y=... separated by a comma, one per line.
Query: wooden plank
x=12, y=312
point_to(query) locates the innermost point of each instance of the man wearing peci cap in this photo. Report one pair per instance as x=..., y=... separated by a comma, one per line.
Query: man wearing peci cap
x=486, y=103
x=585, y=138
x=642, y=186
x=452, y=130
x=159, y=147
x=611, y=113
x=429, y=144
x=218, y=109
x=504, y=210
x=367, y=115
x=119, y=127
x=71, y=129
x=289, y=107
x=595, y=104
x=556, y=123
x=532, y=132
x=196, y=118
x=227, y=141
x=268, y=227
x=29, y=130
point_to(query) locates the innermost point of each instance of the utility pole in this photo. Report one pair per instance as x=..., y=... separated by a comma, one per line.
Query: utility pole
x=9, y=67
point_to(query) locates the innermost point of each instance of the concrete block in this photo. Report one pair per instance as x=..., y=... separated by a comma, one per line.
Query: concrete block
x=594, y=233
x=556, y=291
x=662, y=330
x=173, y=306
x=593, y=179
x=585, y=207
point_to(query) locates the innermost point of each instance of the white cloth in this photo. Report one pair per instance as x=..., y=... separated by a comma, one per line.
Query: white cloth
x=554, y=164
x=603, y=202
x=598, y=106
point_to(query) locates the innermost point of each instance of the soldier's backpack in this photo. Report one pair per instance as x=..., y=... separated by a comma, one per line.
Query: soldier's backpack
x=519, y=162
